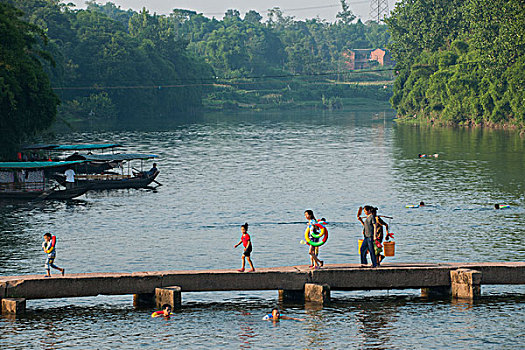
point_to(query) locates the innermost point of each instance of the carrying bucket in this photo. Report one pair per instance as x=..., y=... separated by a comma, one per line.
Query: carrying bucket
x=359, y=244
x=390, y=248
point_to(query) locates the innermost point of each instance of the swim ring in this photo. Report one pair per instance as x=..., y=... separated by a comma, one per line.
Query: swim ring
x=159, y=313
x=412, y=206
x=323, y=233
x=49, y=246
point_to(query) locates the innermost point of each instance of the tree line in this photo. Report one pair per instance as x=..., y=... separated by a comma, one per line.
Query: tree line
x=459, y=61
x=106, y=63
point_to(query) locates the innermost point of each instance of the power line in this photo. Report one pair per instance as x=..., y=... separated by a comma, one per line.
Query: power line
x=294, y=9
x=215, y=82
x=300, y=8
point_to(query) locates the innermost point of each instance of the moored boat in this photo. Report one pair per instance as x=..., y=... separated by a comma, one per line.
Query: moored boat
x=30, y=181
x=110, y=180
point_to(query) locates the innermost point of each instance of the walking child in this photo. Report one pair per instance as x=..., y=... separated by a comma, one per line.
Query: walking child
x=49, y=247
x=313, y=251
x=247, y=243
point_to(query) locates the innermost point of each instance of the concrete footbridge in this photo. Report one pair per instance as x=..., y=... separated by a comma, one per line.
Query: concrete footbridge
x=294, y=283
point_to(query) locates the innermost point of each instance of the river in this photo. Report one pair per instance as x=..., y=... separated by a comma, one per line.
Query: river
x=220, y=171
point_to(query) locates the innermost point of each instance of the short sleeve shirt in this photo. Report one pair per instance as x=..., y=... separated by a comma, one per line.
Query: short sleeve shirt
x=369, y=226
x=245, y=239
x=70, y=175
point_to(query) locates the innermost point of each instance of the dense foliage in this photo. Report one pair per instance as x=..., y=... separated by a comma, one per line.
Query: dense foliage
x=276, y=62
x=460, y=61
x=27, y=103
x=114, y=64
x=106, y=70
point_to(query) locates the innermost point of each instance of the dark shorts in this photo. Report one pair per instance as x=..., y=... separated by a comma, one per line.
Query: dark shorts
x=248, y=251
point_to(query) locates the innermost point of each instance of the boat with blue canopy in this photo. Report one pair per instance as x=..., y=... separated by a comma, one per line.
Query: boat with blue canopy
x=31, y=181
x=87, y=173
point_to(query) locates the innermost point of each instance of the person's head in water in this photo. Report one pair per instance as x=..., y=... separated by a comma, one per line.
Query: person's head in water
x=309, y=214
x=166, y=309
x=496, y=206
x=275, y=313
x=421, y=204
x=244, y=228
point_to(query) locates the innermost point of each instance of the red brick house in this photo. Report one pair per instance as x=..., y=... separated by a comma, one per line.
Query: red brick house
x=360, y=58
x=382, y=56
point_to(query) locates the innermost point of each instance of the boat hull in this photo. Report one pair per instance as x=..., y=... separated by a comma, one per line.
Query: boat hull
x=45, y=195
x=111, y=184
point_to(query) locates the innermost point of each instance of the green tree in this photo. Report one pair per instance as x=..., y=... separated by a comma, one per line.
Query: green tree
x=27, y=103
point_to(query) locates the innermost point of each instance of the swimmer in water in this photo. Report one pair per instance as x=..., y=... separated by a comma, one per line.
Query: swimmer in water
x=501, y=206
x=276, y=316
x=165, y=312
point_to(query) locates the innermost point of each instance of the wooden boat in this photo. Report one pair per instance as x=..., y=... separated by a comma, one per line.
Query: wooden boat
x=50, y=194
x=30, y=181
x=110, y=180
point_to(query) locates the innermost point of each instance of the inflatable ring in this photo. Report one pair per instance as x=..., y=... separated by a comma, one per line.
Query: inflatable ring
x=324, y=233
x=159, y=313
x=412, y=206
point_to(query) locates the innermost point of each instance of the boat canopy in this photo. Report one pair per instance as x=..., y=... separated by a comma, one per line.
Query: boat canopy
x=78, y=147
x=86, y=146
x=111, y=157
x=36, y=165
x=40, y=146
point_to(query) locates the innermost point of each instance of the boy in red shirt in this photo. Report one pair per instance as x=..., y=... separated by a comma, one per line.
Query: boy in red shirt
x=247, y=243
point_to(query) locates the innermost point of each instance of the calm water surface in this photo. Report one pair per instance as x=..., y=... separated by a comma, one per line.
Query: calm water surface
x=266, y=169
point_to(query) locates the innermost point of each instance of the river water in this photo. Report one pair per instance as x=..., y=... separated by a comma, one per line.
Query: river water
x=220, y=171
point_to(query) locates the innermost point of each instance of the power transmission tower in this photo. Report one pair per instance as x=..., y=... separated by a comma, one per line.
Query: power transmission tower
x=378, y=10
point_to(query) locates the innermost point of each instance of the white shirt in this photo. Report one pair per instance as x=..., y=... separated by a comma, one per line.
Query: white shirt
x=70, y=175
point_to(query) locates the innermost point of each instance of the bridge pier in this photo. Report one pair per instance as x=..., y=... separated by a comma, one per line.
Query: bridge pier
x=288, y=296
x=144, y=300
x=168, y=295
x=436, y=292
x=465, y=284
x=13, y=306
x=312, y=293
x=317, y=293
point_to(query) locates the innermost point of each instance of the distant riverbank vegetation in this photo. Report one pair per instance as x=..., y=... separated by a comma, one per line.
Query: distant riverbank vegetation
x=459, y=61
x=114, y=63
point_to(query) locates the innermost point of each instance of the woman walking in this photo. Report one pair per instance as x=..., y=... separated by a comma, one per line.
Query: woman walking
x=370, y=235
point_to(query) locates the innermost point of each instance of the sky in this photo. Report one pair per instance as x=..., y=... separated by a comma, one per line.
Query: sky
x=300, y=9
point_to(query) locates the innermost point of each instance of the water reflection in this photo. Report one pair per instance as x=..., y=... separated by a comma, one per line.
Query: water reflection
x=223, y=170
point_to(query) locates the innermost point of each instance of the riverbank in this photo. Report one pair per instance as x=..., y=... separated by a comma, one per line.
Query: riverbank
x=417, y=120
x=275, y=103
